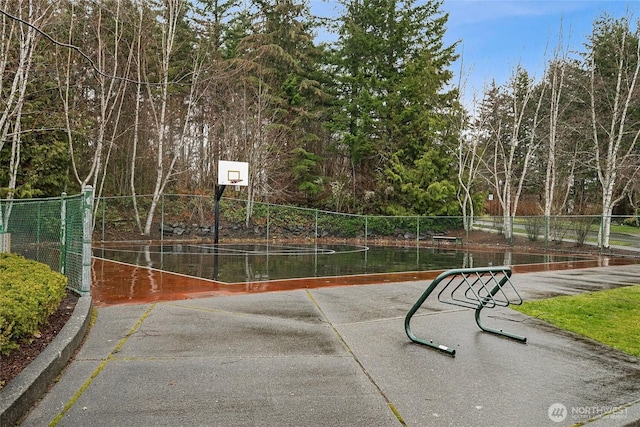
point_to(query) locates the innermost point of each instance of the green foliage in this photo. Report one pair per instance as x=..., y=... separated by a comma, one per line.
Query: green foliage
x=392, y=83
x=421, y=189
x=29, y=293
x=633, y=221
x=286, y=216
x=305, y=171
x=534, y=226
x=378, y=104
x=43, y=168
x=479, y=202
x=342, y=226
x=385, y=226
x=441, y=224
x=380, y=225
x=260, y=212
x=232, y=211
x=283, y=67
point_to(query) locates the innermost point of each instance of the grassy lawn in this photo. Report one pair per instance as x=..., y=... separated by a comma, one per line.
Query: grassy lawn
x=611, y=317
x=626, y=229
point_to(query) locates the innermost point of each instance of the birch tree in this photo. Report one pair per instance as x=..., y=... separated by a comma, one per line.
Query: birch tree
x=556, y=85
x=137, y=113
x=18, y=43
x=614, y=67
x=469, y=154
x=511, y=135
x=564, y=154
x=170, y=125
x=556, y=104
x=92, y=101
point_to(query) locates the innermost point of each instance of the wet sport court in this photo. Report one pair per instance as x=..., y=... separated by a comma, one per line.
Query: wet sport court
x=136, y=273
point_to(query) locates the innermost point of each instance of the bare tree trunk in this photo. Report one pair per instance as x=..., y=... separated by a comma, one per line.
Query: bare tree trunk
x=164, y=172
x=12, y=102
x=468, y=165
x=110, y=88
x=164, y=175
x=555, y=81
x=610, y=154
x=503, y=170
x=136, y=122
x=507, y=167
x=169, y=26
x=557, y=84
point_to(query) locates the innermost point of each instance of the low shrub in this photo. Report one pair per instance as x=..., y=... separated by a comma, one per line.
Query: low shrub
x=29, y=292
x=534, y=225
x=632, y=222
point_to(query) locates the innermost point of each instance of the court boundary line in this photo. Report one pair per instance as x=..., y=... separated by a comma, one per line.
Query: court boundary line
x=225, y=251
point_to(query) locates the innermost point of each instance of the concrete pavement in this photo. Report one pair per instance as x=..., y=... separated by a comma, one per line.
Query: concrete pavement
x=339, y=357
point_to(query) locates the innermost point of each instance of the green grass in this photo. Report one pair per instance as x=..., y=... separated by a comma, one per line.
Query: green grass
x=624, y=229
x=611, y=317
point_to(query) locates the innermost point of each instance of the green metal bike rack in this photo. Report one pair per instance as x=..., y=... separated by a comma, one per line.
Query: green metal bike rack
x=474, y=288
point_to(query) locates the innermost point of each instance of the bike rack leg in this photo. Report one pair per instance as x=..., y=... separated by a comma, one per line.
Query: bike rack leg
x=407, y=321
x=495, y=290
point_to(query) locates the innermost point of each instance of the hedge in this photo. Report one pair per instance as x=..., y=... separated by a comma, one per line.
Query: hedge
x=29, y=292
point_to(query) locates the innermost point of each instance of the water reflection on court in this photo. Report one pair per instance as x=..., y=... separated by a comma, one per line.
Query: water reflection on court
x=143, y=273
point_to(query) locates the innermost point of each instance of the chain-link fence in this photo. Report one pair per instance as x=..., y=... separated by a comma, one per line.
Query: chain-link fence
x=192, y=217
x=53, y=231
x=57, y=231
x=624, y=231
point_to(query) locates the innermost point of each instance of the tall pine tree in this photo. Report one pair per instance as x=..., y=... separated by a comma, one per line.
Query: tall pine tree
x=392, y=120
x=284, y=70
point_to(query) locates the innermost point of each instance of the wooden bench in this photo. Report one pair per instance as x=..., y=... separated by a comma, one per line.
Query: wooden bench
x=440, y=239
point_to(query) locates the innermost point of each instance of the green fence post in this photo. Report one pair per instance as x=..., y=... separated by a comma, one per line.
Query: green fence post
x=546, y=231
x=87, y=226
x=103, y=201
x=63, y=233
x=104, y=212
x=38, y=221
x=268, y=220
x=513, y=218
x=600, y=235
x=161, y=218
x=366, y=229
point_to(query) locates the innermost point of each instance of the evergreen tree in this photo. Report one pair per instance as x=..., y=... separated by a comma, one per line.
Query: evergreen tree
x=282, y=68
x=391, y=119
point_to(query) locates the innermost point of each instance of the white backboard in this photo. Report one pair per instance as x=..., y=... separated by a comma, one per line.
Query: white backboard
x=233, y=173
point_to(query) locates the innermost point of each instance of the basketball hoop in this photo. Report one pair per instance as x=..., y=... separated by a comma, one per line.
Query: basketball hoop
x=229, y=173
x=233, y=173
x=235, y=183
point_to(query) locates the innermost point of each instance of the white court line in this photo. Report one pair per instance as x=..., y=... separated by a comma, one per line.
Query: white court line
x=228, y=250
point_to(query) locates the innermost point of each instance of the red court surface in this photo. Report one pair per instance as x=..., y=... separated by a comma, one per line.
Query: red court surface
x=116, y=283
